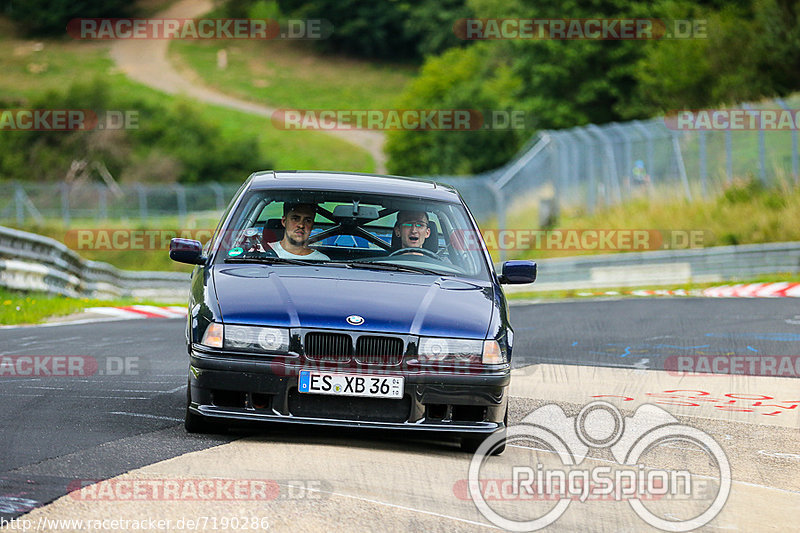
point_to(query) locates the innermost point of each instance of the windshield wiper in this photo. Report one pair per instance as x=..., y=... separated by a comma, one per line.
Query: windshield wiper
x=393, y=266
x=268, y=260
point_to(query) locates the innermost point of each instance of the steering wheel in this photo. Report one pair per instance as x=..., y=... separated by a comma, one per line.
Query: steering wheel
x=423, y=251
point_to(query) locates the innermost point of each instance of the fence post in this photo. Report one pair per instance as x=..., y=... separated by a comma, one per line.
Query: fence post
x=142, y=201
x=180, y=194
x=592, y=196
x=701, y=148
x=65, y=203
x=676, y=146
x=103, y=202
x=499, y=202
x=729, y=155
x=626, y=165
x=19, y=203
x=762, y=164
x=218, y=193
x=650, y=168
x=795, y=171
x=611, y=163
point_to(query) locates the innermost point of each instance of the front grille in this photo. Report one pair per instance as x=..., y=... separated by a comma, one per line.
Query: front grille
x=335, y=347
x=379, y=350
x=349, y=407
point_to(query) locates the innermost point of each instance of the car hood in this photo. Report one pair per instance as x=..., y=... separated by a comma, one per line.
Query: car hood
x=323, y=297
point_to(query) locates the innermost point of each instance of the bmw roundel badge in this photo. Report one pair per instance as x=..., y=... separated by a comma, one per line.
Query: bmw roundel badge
x=355, y=320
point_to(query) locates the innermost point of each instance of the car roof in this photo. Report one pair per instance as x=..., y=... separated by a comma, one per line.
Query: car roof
x=353, y=182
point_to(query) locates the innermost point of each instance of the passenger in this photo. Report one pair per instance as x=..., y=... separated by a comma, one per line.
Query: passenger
x=412, y=229
x=298, y=221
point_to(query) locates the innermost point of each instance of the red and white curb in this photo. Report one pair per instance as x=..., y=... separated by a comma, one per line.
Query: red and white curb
x=743, y=290
x=140, y=311
x=755, y=290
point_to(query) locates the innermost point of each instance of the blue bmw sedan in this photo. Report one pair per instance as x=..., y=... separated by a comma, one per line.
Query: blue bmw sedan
x=349, y=300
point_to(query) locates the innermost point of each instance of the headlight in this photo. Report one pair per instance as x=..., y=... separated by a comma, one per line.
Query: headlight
x=437, y=350
x=255, y=338
x=247, y=338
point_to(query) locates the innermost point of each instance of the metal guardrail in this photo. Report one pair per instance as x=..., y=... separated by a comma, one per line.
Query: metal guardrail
x=33, y=262
x=637, y=269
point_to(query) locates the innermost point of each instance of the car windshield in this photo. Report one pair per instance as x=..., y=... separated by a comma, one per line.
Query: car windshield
x=353, y=230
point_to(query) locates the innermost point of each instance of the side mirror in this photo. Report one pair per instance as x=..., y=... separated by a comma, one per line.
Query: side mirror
x=186, y=251
x=518, y=272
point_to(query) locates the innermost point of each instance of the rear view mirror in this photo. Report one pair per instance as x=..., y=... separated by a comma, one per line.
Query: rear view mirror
x=518, y=272
x=186, y=251
x=358, y=214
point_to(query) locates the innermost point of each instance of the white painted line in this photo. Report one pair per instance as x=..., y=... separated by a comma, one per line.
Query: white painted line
x=154, y=417
x=176, y=389
x=22, y=394
x=780, y=455
x=116, y=390
x=394, y=505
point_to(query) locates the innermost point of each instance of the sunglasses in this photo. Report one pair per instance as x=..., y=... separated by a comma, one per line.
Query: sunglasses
x=418, y=225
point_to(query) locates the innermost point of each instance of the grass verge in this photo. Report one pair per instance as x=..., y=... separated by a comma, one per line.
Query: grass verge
x=23, y=307
x=291, y=74
x=745, y=212
x=31, y=68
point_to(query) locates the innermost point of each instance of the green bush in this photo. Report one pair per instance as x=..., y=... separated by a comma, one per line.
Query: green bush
x=50, y=17
x=459, y=79
x=172, y=143
x=390, y=29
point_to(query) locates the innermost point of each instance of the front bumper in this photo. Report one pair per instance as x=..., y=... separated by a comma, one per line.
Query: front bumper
x=260, y=389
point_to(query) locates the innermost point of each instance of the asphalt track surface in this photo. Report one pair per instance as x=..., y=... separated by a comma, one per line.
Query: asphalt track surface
x=59, y=431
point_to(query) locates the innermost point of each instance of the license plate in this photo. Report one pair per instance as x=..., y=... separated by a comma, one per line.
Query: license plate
x=351, y=384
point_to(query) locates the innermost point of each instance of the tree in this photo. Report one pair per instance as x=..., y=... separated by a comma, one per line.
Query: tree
x=50, y=17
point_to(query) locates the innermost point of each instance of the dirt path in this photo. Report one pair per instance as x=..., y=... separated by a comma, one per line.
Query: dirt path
x=146, y=62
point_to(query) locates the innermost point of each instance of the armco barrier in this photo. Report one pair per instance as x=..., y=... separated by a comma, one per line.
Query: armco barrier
x=637, y=269
x=33, y=262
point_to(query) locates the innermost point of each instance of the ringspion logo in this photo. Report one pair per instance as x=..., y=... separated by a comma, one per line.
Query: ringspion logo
x=566, y=480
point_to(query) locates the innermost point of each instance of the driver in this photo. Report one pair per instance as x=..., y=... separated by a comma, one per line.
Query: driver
x=412, y=229
x=298, y=221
